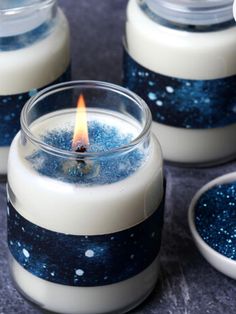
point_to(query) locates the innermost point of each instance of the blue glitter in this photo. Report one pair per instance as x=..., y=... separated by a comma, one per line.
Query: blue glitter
x=215, y=219
x=192, y=104
x=104, y=170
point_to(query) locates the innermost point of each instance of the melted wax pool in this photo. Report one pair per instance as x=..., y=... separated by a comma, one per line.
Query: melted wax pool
x=105, y=170
x=215, y=218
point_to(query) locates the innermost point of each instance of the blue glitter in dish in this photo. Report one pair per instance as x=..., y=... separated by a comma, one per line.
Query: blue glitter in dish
x=103, y=170
x=215, y=218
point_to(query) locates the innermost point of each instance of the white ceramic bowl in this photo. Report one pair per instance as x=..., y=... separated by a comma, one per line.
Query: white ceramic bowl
x=222, y=263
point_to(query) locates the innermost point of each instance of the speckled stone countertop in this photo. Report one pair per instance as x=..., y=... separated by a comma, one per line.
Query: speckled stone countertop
x=188, y=284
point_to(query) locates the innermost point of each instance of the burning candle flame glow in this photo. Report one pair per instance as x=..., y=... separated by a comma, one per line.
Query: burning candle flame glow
x=80, y=137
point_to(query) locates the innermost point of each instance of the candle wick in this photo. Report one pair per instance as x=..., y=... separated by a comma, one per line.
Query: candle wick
x=81, y=149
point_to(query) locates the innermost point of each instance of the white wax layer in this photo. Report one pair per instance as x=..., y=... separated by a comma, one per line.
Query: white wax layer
x=120, y=205
x=3, y=160
x=209, y=146
x=186, y=55
x=115, y=298
x=53, y=204
x=36, y=65
x=178, y=53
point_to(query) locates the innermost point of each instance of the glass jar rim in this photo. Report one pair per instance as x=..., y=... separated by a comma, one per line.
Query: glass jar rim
x=144, y=132
x=192, y=12
x=28, y=7
x=16, y=19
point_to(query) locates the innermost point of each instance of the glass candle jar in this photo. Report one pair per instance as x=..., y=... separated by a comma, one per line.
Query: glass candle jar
x=85, y=202
x=34, y=52
x=180, y=58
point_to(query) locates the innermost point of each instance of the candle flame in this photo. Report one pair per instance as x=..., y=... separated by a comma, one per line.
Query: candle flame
x=80, y=137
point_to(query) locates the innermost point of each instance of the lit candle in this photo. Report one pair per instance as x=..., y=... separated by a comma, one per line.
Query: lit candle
x=85, y=210
x=34, y=52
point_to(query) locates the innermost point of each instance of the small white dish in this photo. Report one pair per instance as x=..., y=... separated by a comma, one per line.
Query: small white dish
x=222, y=263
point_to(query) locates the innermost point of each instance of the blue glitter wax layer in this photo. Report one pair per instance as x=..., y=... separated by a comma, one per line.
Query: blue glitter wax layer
x=190, y=104
x=87, y=261
x=104, y=170
x=215, y=218
x=10, y=109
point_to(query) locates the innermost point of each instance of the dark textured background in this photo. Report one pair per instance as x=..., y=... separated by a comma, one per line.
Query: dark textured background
x=188, y=284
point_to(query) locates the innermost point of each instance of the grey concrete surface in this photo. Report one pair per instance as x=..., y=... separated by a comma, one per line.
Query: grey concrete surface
x=188, y=284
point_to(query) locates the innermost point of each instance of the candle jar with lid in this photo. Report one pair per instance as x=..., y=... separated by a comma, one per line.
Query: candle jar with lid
x=180, y=58
x=85, y=200
x=34, y=52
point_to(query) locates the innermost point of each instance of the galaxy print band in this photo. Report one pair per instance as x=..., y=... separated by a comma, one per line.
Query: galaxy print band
x=84, y=261
x=10, y=110
x=191, y=104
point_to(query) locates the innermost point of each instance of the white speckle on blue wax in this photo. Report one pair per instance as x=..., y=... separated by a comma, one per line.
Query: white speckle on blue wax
x=187, y=84
x=79, y=272
x=132, y=235
x=86, y=237
x=11, y=242
x=32, y=92
x=26, y=253
x=18, y=243
x=159, y=103
x=105, y=278
x=207, y=100
x=152, y=96
x=8, y=211
x=112, y=238
x=132, y=256
x=53, y=273
x=153, y=234
x=170, y=89
x=23, y=229
x=89, y=253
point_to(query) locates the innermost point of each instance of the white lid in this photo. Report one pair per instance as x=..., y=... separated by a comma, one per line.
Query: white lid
x=192, y=12
x=20, y=16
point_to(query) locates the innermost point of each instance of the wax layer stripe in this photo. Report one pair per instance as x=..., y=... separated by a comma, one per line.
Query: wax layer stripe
x=20, y=41
x=191, y=104
x=10, y=110
x=84, y=260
